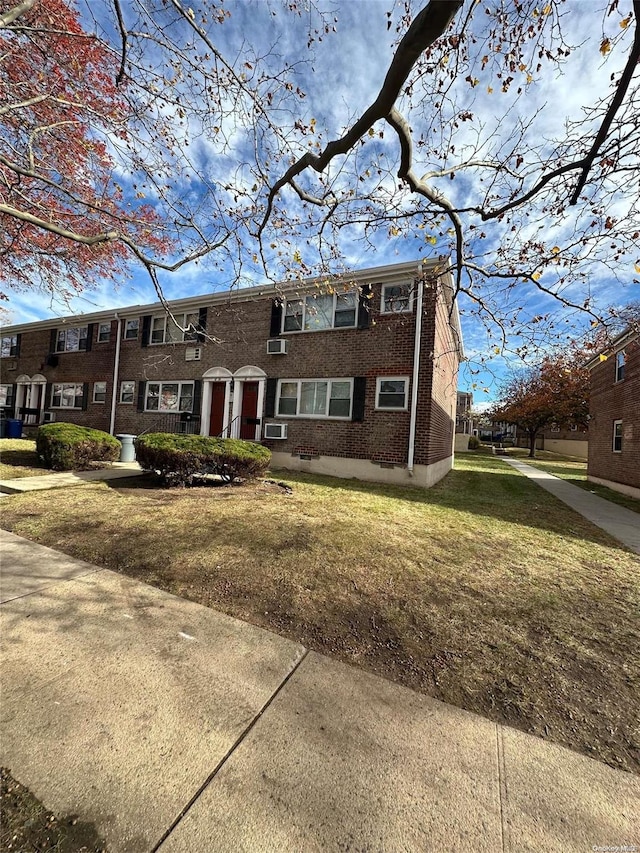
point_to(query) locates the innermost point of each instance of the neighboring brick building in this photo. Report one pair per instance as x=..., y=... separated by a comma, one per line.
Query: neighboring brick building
x=614, y=407
x=569, y=441
x=321, y=373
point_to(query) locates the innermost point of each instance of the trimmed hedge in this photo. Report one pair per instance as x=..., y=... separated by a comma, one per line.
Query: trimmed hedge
x=181, y=458
x=474, y=442
x=68, y=447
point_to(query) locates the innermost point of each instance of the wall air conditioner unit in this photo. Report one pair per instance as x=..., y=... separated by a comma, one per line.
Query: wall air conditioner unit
x=277, y=346
x=49, y=417
x=193, y=354
x=275, y=430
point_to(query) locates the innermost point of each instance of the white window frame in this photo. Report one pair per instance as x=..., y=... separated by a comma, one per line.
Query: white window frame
x=102, y=393
x=8, y=350
x=614, y=436
x=131, y=326
x=5, y=395
x=101, y=339
x=379, y=381
x=169, y=411
x=311, y=297
x=554, y=428
x=166, y=322
x=133, y=392
x=621, y=360
x=60, y=394
x=383, y=301
x=62, y=336
x=574, y=427
x=326, y=415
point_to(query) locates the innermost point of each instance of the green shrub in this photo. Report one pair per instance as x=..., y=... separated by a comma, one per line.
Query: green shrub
x=68, y=447
x=474, y=442
x=180, y=458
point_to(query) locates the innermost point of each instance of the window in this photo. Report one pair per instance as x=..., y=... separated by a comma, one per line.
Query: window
x=555, y=428
x=104, y=332
x=66, y=395
x=392, y=393
x=9, y=346
x=574, y=427
x=6, y=396
x=167, y=330
x=127, y=390
x=131, y=329
x=617, y=436
x=316, y=312
x=99, y=392
x=621, y=358
x=315, y=398
x=169, y=397
x=396, y=299
x=72, y=340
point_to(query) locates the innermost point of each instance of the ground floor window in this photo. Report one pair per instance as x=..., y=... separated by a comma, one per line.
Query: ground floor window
x=617, y=436
x=392, y=393
x=6, y=396
x=66, y=395
x=127, y=390
x=315, y=398
x=169, y=397
x=99, y=392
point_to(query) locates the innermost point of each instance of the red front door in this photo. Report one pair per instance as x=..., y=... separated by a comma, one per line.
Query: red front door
x=216, y=423
x=249, y=410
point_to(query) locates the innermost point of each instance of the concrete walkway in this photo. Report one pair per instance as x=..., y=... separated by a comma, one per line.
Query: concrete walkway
x=618, y=521
x=118, y=471
x=175, y=728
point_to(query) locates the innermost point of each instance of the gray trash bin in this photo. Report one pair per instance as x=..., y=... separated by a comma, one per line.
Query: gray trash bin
x=128, y=451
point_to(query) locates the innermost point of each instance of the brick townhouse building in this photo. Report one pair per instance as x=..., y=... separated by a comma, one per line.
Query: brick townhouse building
x=614, y=408
x=320, y=372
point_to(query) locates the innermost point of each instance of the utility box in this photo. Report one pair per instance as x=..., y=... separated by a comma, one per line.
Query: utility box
x=128, y=451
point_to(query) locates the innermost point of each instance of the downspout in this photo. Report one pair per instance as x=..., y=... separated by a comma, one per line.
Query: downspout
x=116, y=368
x=416, y=370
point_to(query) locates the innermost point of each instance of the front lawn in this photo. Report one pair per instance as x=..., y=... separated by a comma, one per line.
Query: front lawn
x=575, y=471
x=485, y=591
x=18, y=458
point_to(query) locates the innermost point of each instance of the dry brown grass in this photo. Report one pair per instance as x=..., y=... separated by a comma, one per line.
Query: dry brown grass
x=484, y=591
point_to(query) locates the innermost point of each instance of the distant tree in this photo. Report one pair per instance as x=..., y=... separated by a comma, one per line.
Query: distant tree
x=555, y=392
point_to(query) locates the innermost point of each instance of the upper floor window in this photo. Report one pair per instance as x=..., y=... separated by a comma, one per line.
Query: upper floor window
x=617, y=436
x=168, y=329
x=315, y=398
x=72, y=340
x=396, y=299
x=104, y=332
x=9, y=346
x=169, y=397
x=621, y=358
x=321, y=311
x=67, y=395
x=131, y=329
x=392, y=393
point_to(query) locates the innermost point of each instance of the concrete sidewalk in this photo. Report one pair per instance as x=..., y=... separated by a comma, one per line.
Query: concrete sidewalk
x=618, y=521
x=118, y=471
x=175, y=728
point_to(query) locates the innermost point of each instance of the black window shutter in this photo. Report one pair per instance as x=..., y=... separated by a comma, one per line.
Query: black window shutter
x=276, y=321
x=12, y=399
x=141, y=392
x=364, y=301
x=53, y=340
x=359, y=391
x=48, y=393
x=85, y=395
x=90, y=329
x=197, y=395
x=146, y=330
x=17, y=348
x=270, y=398
x=202, y=324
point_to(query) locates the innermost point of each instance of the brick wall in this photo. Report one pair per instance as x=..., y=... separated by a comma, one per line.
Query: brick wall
x=610, y=401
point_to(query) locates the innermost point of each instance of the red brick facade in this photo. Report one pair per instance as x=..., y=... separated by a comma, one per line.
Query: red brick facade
x=238, y=326
x=616, y=400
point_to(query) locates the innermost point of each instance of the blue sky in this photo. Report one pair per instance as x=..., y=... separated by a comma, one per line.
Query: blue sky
x=340, y=74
